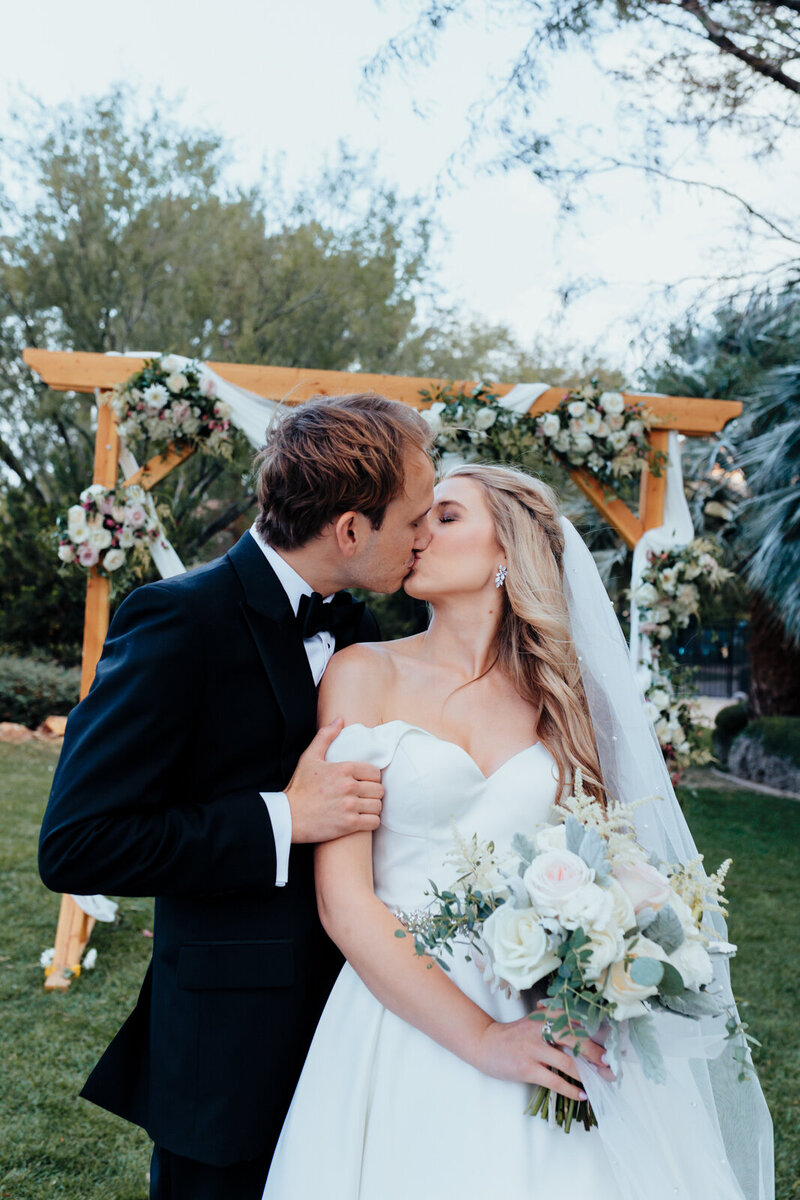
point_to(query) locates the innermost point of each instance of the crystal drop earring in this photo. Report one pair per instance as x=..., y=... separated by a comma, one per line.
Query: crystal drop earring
x=500, y=577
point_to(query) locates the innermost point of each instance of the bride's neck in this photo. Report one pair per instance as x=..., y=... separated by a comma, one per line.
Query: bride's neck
x=461, y=636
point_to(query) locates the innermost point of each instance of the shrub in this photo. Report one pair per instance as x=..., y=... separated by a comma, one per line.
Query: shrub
x=768, y=751
x=730, y=722
x=31, y=690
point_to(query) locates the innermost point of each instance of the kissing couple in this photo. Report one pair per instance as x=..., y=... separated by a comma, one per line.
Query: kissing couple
x=285, y=785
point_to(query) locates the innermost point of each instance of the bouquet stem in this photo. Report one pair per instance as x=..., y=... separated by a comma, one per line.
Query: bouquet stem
x=565, y=1111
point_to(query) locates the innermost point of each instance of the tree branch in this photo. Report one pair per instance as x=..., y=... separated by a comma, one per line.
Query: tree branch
x=720, y=38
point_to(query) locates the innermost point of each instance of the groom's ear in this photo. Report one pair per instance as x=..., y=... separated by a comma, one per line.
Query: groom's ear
x=346, y=531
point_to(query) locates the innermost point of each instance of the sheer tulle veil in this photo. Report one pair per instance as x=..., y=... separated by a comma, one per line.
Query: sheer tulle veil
x=705, y=1134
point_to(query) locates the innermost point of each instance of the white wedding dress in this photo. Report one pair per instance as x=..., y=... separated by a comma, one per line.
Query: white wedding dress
x=381, y=1111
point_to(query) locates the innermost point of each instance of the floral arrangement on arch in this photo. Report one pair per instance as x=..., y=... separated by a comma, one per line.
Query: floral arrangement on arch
x=108, y=529
x=667, y=598
x=599, y=432
x=474, y=426
x=171, y=402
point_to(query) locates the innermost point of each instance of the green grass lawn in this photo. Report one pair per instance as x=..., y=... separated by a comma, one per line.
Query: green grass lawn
x=54, y=1145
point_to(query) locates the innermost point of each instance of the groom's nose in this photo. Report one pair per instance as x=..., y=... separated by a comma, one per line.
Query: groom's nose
x=423, y=538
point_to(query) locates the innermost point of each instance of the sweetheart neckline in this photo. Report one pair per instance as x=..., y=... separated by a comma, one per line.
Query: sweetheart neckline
x=446, y=742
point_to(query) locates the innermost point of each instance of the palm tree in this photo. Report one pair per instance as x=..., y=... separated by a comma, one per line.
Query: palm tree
x=746, y=486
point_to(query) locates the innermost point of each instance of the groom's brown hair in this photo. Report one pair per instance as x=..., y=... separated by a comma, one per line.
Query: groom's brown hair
x=330, y=455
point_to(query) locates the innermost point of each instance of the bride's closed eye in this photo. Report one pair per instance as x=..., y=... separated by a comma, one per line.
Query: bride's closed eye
x=445, y=518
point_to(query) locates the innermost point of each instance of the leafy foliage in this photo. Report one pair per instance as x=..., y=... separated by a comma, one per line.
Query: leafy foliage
x=31, y=690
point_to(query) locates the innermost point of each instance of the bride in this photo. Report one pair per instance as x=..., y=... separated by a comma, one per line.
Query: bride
x=477, y=725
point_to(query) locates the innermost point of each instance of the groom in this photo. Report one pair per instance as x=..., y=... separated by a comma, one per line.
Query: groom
x=192, y=773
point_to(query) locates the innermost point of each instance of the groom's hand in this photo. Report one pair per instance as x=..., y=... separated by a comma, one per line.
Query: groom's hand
x=331, y=800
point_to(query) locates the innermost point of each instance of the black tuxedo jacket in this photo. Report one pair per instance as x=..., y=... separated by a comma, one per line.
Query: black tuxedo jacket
x=203, y=698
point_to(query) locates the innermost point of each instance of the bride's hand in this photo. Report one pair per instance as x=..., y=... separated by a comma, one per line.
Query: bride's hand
x=520, y=1051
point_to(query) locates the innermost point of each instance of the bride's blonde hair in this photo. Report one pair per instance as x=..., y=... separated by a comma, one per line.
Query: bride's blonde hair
x=534, y=645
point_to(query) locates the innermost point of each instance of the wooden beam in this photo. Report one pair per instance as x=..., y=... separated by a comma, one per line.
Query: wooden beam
x=74, y=926
x=618, y=515
x=79, y=372
x=158, y=466
x=653, y=488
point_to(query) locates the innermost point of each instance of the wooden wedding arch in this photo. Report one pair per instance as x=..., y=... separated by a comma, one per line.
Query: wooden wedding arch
x=98, y=373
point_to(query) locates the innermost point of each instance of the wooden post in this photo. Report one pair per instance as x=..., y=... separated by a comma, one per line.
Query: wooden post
x=74, y=925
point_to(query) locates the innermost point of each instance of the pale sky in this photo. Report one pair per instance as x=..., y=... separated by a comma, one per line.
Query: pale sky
x=278, y=78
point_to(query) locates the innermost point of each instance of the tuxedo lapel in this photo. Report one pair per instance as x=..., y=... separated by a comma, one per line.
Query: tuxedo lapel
x=270, y=619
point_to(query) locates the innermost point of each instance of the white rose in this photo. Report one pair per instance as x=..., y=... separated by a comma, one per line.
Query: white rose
x=93, y=491
x=135, y=515
x=592, y=421
x=635, y=428
x=612, y=402
x=208, y=387
x=170, y=363
x=551, y=837
x=615, y=421
x=619, y=440
x=607, y=946
x=518, y=946
x=156, y=396
x=622, y=991
x=602, y=430
x=177, y=382
x=550, y=425
x=114, y=560
x=553, y=877
x=577, y=408
x=99, y=539
x=191, y=425
x=126, y=539
x=66, y=552
x=646, y=595
x=76, y=517
x=660, y=698
x=622, y=914
x=645, y=886
x=589, y=907
x=577, y=425
x=485, y=418
x=668, y=578
x=562, y=442
x=692, y=961
x=583, y=443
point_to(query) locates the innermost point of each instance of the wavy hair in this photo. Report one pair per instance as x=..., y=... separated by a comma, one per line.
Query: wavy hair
x=534, y=644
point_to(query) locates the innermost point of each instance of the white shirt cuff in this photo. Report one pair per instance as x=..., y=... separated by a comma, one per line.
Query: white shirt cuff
x=280, y=815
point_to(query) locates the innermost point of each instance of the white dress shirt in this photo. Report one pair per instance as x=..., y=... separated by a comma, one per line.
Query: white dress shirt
x=319, y=651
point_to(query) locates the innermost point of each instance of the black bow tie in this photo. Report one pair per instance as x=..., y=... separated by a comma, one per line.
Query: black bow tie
x=341, y=617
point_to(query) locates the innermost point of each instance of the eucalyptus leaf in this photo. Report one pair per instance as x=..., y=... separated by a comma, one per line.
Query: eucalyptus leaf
x=692, y=1004
x=671, y=981
x=613, y=1048
x=665, y=929
x=648, y=972
x=593, y=851
x=575, y=832
x=524, y=847
x=643, y=1040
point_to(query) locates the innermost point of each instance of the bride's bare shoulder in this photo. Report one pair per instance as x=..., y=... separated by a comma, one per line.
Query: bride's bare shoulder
x=358, y=681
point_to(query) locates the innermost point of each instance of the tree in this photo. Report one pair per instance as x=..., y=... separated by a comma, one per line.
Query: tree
x=748, y=482
x=705, y=67
x=122, y=234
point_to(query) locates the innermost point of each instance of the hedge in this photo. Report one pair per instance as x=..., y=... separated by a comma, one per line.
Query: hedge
x=31, y=690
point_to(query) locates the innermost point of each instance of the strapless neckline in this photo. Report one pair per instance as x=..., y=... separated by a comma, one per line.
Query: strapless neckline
x=446, y=742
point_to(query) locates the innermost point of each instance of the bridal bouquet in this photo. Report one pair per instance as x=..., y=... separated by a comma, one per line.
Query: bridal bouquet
x=611, y=935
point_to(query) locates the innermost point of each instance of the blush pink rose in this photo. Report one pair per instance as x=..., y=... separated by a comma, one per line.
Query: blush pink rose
x=87, y=555
x=645, y=886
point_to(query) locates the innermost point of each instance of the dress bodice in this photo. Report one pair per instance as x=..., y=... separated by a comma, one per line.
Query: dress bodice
x=432, y=785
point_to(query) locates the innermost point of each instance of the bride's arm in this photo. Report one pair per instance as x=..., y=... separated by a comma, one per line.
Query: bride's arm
x=364, y=929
